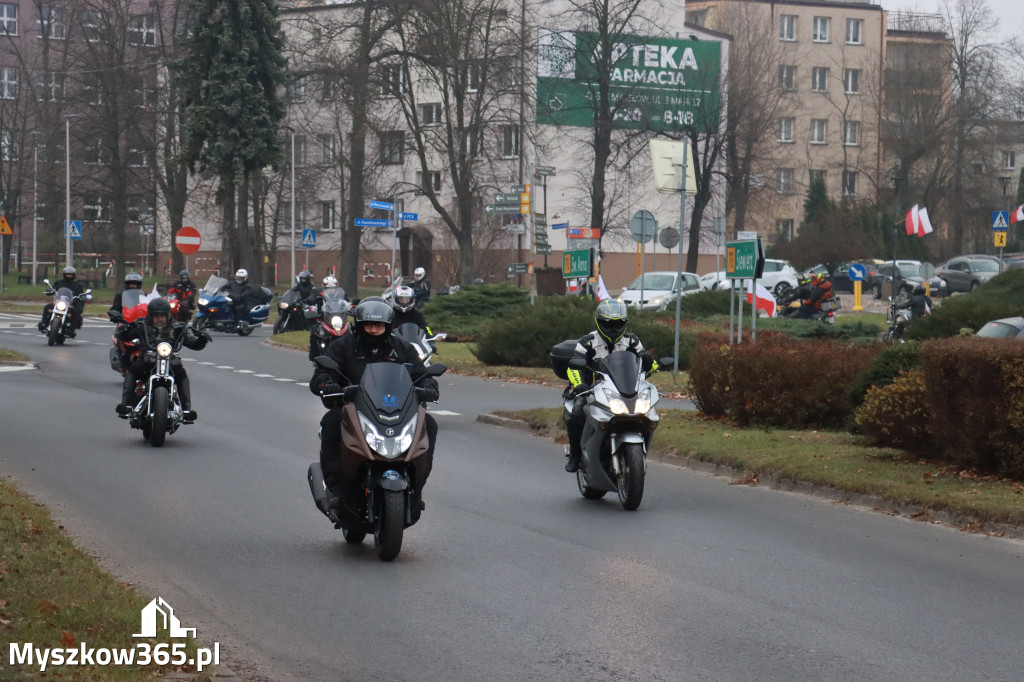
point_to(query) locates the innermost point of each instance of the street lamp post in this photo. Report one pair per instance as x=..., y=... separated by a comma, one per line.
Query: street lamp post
x=292, y=132
x=895, y=179
x=67, y=192
x=35, y=203
x=1006, y=186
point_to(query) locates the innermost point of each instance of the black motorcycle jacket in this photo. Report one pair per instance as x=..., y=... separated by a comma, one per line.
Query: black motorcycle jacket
x=308, y=294
x=919, y=305
x=414, y=316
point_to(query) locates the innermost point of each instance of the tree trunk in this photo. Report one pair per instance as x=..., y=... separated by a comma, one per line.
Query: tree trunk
x=229, y=238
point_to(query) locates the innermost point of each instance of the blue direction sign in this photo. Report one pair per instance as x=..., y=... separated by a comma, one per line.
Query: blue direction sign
x=560, y=226
x=409, y=216
x=309, y=238
x=372, y=222
x=382, y=205
x=857, y=272
x=76, y=229
x=1000, y=220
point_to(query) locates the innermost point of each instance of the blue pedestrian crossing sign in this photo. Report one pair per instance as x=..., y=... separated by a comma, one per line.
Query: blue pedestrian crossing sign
x=309, y=238
x=76, y=229
x=1000, y=220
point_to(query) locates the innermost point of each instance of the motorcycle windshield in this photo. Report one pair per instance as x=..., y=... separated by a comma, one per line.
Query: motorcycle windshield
x=133, y=304
x=290, y=296
x=385, y=392
x=334, y=300
x=214, y=284
x=63, y=294
x=409, y=332
x=623, y=368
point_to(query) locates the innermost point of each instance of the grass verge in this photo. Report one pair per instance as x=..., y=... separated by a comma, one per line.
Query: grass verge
x=11, y=356
x=833, y=459
x=53, y=595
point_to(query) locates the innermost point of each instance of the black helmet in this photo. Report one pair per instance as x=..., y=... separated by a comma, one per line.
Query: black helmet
x=133, y=280
x=158, y=306
x=69, y=272
x=184, y=276
x=918, y=288
x=611, y=317
x=305, y=277
x=374, y=309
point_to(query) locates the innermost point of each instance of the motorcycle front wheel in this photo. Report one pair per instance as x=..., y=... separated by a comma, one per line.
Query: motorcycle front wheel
x=631, y=479
x=201, y=324
x=353, y=537
x=158, y=406
x=279, y=325
x=585, y=490
x=244, y=331
x=387, y=535
x=54, y=335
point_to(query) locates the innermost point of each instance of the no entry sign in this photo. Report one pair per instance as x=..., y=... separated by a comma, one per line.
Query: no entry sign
x=188, y=240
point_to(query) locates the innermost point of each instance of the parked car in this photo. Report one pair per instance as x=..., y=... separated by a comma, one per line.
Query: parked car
x=909, y=277
x=841, y=276
x=1006, y=328
x=659, y=288
x=967, y=273
x=711, y=279
x=778, y=276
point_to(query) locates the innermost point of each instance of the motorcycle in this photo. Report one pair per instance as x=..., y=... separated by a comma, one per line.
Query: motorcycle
x=59, y=327
x=897, y=319
x=620, y=420
x=214, y=311
x=134, y=305
x=180, y=310
x=417, y=337
x=158, y=410
x=291, y=313
x=826, y=315
x=330, y=322
x=383, y=429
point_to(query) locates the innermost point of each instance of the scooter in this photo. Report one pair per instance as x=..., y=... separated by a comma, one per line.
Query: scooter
x=215, y=312
x=383, y=427
x=59, y=327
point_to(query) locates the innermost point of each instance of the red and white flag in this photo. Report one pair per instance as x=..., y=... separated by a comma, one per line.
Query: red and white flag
x=917, y=222
x=765, y=300
x=913, y=217
x=1017, y=215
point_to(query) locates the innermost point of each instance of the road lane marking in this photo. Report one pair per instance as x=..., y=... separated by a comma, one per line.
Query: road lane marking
x=283, y=379
x=264, y=376
x=223, y=367
x=445, y=413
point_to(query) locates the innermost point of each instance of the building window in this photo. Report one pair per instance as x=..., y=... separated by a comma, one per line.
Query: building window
x=327, y=215
x=327, y=147
x=819, y=79
x=977, y=168
x=92, y=26
x=430, y=114
x=142, y=30
x=784, y=180
x=51, y=86
x=9, y=19
x=96, y=207
x=510, y=141
x=786, y=129
x=851, y=133
x=8, y=82
x=851, y=79
x=92, y=90
x=50, y=23
x=139, y=93
x=392, y=145
x=785, y=228
x=140, y=208
x=296, y=90
x=300, y=150
x=819, y=130
x=820, y=34
x=787, y=27
x=475, y=75
x=854, y=29
x=392, y=80
x=787, y=77
x=850, y=183
x=137, y=155
x=475, y=142
x=8, y=152
x=698, y=18
x=505, y=73
x=817, y=176
x=431, y=182
x=330, y=88
x=1009, y=160
x=94, y=152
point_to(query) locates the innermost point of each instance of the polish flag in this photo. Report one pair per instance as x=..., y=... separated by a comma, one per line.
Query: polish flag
x=913, y=220
x=602, y=291
x=924, y=225
x=1017, y=215
x=765, y=300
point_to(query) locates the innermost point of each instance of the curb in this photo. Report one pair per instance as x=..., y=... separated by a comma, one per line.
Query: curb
x=507, y=422
x=17, y=366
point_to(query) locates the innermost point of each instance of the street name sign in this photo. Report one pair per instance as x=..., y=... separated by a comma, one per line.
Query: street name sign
x=383, y=205
x=371, y=222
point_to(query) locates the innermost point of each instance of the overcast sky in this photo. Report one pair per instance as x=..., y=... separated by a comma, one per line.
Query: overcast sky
x=1010, y=13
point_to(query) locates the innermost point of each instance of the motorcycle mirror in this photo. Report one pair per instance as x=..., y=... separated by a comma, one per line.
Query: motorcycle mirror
x=667, y=361
x=328, y=363
x=47, y=282
x=577, y=362
x=87, y=291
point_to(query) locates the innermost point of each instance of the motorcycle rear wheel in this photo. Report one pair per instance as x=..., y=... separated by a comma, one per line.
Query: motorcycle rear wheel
x=387, y=534
x=158, y=406
x=353, y=537
x=51, y=338
x=585, y=490
x=631, y=479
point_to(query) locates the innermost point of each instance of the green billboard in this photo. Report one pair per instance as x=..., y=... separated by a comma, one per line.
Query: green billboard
x=662, y=84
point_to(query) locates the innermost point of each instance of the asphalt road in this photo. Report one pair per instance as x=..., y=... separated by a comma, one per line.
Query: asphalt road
x=510, y=574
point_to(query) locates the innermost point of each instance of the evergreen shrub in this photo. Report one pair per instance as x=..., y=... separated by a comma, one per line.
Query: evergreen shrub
x=901, y=357
x=464, y=314
x=896, y=414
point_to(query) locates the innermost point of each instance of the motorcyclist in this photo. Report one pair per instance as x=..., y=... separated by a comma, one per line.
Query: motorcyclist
x=610, y=318
x=801, y=291
x=68, y=281
x=316, y=333
x=305, y=288
x=821, y=290
x=132, y=280
x=185, y=290
x=371, y=341
x=158, y=326
x=405, y=309
x=421, y=287
x=242, y=293
x=918, y=303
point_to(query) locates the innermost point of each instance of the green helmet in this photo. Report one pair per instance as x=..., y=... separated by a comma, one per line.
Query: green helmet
x=611, y=317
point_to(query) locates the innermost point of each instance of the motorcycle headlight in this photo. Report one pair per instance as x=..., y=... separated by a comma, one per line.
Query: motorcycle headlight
x=282, y=305
x=61, y=306
x=643, y=402
x=163, y=349
x=203, y=301
x=337, y=322
x=388, y=446
x=615, y=402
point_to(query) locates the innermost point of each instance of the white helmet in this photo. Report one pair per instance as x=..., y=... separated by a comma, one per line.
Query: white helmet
x=330, y=281
x=405, y=299
x=419, y=273
x=241, y=274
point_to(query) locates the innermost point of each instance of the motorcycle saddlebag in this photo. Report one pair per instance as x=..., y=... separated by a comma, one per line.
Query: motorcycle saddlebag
x=560, y=354
x=831, y=305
